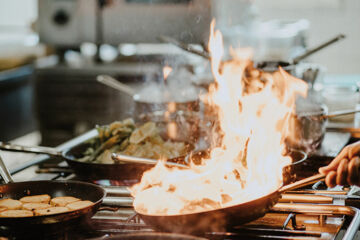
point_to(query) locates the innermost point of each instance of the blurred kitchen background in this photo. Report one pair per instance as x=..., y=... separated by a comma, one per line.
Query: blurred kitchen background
x=52, y=50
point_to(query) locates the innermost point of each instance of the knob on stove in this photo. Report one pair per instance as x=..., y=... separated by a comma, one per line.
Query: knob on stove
x=61, y=17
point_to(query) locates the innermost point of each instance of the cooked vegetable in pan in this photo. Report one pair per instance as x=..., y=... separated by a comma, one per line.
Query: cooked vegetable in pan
x=125, y=138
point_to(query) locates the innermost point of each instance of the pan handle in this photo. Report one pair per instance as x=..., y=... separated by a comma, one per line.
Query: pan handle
x=340, y=113
x=130, y=159
x=303, y=182
x=29, y=149
x=4, y=171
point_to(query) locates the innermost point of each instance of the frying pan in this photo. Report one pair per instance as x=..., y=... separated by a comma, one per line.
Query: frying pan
x=130, y=170
x=25, y=226
x=223, y=218
x=88, y=170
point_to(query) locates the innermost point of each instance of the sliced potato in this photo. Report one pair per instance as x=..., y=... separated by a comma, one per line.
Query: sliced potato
x=10, y=204
x=16, y=213
x=51, y=210
x=79, y=204
x=63, y=201
x=35, y=206
x=44, y=198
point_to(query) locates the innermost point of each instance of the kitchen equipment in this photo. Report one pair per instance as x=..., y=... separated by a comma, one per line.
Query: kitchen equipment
x=221, y=219
x=289, y=171
x=154, y=235
x=308, y=125
x=183, y=126
x=131, y=167
x=129, y=159
x=330, y=115
x=186, y=47
x=49, y=223
x=317, y=48
x=266, y=66
x=272, y=66
x=16, y=102
x=144, y=103
x=89, y=170
x=70, y=23
x=131, y=27
x=310, y=212
x=337, y=98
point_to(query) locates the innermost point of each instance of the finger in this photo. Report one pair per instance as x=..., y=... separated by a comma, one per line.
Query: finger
x=353, y=171
x=335, y=163
x=342, y=172
x=330, y=179
x=354, y=149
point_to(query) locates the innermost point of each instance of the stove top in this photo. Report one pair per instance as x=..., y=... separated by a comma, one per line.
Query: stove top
x=313, y=212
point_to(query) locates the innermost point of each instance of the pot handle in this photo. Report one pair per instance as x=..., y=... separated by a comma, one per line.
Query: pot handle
x=4, y=171
x=29, y=149
x=303, y=182
x=113, y=83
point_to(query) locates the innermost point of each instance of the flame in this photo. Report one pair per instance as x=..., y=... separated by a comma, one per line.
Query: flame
x=166, y=72
x=253, y=110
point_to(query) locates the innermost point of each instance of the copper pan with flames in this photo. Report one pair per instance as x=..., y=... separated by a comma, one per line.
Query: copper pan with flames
x=223, y=218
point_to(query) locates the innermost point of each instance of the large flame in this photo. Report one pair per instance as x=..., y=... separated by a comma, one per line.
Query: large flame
x=253, y=109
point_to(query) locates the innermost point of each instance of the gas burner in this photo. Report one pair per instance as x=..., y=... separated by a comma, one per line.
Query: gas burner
x=110, y=183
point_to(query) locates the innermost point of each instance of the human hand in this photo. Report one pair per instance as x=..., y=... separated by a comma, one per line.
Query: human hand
x=344, y=169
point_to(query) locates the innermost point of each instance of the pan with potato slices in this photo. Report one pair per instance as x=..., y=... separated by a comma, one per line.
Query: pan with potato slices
x=38, y=205
x=27, y=207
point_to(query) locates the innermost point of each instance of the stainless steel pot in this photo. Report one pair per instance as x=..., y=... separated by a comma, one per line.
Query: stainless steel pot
x=308, y=127
x=149, y=105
